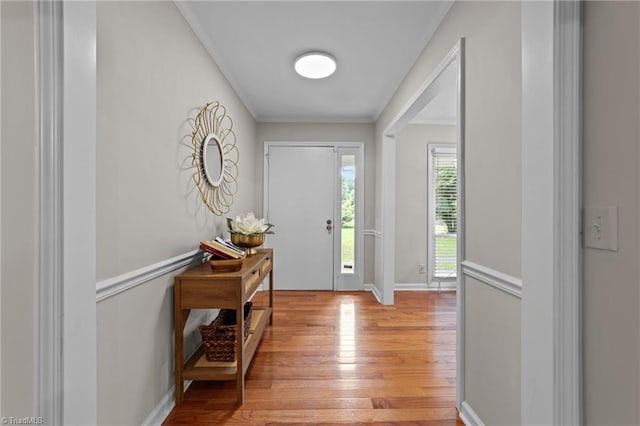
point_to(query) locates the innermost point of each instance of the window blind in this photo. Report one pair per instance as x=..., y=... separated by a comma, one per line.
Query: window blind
x=443, y=199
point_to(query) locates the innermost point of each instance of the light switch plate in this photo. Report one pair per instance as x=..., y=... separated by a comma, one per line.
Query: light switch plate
x=601, y=228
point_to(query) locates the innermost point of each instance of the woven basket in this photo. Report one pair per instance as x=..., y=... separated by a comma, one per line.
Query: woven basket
x=219, y=337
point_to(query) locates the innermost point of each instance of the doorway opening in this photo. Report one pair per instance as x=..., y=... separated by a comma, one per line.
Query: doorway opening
x=423, y=109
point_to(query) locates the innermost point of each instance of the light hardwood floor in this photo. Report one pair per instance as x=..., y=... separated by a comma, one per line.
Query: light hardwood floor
x=342, y=358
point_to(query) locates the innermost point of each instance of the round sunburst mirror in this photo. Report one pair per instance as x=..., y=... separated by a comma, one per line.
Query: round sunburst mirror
x=215, y=157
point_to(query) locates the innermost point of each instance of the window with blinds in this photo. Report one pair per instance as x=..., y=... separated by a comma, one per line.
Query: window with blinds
x=443, y=203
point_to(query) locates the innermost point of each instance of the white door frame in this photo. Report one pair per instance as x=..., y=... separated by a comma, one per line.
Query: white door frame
x=358, y=276
x=551, y=210
x=65, y=271
x=427, y=91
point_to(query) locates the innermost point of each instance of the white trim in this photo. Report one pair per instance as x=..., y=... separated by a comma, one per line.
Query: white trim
x=321, y=120
x=411, y=287
x=341, y=144
x=385, y=277
x=423, y=95
x=371, y=233
x=373, y=289
x=116, y=285
x=160, y=413
x=462, y=239
x=445, y=286
x=388, y=201
x=48, y=396
x=494, y=278
x=79, y=213
x=468, y=416
x=568, y=309
x=551, y=255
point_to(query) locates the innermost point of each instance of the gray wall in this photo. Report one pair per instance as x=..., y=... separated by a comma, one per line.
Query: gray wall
x=411, y=197
x=611, y=178
x=152, y=75
x=342, y=132
x=493, y=206
x=18, y=216
x=493, y=360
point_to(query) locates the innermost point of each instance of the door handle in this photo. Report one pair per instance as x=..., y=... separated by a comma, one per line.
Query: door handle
x=329, y=225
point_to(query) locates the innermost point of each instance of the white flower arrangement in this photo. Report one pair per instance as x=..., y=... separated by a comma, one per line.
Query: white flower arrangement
x=248, y=224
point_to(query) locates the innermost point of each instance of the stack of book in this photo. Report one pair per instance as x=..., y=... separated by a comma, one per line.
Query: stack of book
x=221, y=249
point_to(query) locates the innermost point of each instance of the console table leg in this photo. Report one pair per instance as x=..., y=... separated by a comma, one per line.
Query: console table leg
x=179, y=393
x=179, y=322
x=271, y=294
x=240, y=390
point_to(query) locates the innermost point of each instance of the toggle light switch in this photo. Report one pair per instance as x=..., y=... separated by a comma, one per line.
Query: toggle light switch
x=601, y=228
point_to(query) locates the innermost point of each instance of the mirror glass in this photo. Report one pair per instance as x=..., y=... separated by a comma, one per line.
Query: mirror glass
x=212, y=160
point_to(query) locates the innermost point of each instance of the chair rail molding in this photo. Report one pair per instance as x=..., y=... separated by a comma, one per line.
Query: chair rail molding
x=372, y=233
x=494, y=278
x=121, y=283
x=551, y=252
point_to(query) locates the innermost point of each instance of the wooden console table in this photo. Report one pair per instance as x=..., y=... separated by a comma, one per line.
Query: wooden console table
x=199, y=288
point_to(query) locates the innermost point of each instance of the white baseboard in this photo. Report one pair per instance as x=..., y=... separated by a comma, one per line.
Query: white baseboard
x=164, y=407
x=446, y=286
x=451, y=286
x=468, y=416
x=373, y=289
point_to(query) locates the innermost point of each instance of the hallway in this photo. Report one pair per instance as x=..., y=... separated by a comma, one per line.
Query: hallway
x=338, y=357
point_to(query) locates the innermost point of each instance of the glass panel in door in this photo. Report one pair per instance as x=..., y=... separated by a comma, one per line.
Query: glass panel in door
x=347, y=213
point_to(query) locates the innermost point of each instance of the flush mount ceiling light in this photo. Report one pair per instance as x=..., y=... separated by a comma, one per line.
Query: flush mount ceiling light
x=315, y=65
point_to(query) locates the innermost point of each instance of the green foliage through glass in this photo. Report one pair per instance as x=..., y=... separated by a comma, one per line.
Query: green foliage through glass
x=446, y=199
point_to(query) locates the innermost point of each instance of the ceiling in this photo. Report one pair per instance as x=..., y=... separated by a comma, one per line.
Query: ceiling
x=254, y=43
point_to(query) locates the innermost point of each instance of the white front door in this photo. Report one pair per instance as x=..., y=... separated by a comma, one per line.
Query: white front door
x=300, y=202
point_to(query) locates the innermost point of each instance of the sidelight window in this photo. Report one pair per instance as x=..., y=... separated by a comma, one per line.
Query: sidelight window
x=347, y=213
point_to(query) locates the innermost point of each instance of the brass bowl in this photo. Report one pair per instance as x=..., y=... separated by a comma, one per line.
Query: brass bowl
x=247, y=241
